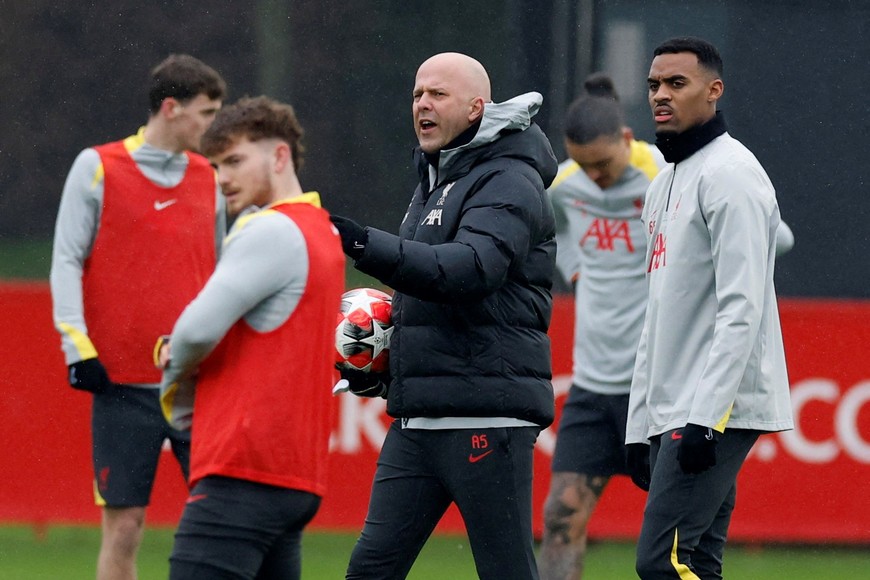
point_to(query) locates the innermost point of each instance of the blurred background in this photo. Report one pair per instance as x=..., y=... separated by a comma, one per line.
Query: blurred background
x=73, y=74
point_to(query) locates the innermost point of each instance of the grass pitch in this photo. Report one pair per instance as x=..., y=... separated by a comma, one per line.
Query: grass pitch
x=69, y=553
x=31, y=260
x=25, y=259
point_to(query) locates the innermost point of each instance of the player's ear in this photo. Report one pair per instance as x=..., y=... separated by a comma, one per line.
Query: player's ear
x=170, y=107
x=715, y=90
x=283, y=157
x=476, y=109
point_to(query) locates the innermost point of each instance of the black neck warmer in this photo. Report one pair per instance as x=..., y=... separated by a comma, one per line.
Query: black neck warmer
x=462, y=139
x=678, y=146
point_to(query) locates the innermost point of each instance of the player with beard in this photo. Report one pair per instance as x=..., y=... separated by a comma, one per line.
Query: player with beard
x=250, y=360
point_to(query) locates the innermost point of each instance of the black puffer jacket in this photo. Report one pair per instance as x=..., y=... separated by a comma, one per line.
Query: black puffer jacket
x=472, y=269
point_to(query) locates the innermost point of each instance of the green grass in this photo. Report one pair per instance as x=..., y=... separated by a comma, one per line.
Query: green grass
x=68, y=552
x=31, y=260
x=25, y=259
x=73, y=552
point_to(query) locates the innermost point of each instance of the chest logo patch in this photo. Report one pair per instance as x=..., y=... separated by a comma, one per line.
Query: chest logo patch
x=605, y=232
x=433, y=219
x=444, y=193
x=658, y=257
x=161, y=205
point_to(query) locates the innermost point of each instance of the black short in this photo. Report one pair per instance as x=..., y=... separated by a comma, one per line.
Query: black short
x=128, y=430
x=232, y=528
x=591, y=437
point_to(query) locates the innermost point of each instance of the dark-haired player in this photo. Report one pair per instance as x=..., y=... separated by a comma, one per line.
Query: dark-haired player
x=137, y=233
x=597, y=196
x=710, y=375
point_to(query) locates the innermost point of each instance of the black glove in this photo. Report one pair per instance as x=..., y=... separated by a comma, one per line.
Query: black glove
x=637, y=461
x=353, y=236
x=697, y=452
x=89, y=375
x=366, y=384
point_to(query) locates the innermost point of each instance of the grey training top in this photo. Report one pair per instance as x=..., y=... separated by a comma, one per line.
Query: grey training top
x=78, y=221
x=601, y=244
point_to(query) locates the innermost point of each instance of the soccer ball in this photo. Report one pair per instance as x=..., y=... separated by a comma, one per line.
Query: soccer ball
x=362, y=335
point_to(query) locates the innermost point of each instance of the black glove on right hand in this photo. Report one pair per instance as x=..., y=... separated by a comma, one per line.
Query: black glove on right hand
x=697, y=452
x=353, y=236
x=366, y=384
x=637, y=461
x=89, y=375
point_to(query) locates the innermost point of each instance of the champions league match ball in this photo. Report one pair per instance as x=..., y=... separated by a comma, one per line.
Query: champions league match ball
x=362, y=335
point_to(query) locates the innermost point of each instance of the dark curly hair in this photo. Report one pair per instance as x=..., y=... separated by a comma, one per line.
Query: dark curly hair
x=255, y=118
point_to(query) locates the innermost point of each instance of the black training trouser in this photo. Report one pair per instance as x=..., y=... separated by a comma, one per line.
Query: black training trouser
x=685, y=522
x=486, y=472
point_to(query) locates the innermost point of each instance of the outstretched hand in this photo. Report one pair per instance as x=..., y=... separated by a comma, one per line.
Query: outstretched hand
x=353, y=236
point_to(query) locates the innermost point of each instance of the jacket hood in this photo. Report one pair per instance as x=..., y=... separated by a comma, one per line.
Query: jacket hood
x=506, y=130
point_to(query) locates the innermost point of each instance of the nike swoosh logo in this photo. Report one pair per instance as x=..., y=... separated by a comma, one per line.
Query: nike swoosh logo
x=358, y=246
x=675, y=435
x=196, y=497
x=476, y=458
x=161, y=205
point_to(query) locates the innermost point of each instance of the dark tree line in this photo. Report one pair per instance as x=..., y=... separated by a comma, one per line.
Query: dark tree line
x=72, y=75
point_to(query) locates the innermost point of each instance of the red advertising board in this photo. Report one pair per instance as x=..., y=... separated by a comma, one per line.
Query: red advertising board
x=805, y=485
